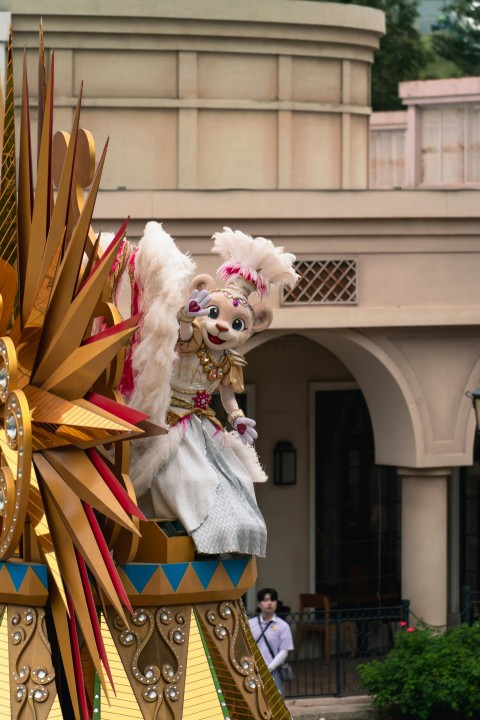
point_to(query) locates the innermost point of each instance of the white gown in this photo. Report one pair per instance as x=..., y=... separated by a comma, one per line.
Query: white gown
x=206, y=481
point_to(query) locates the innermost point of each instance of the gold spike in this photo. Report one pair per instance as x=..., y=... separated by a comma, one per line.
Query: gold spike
x=70, y=572
x=80, y=370
x=38, y=518
x=28, y=344
x=8, y=193
x=42, y=85
x=81, y=476
x=60, y=618
x=25, y=183
x=41, y=207
x=75, y=318
x=8, y=289
x=66, y=281
x=57, y=422
x=73, y=520
x=60, y=211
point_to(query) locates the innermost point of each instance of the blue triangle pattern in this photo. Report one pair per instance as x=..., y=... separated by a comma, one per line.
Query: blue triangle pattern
x=41, y=572
x=139, y=574
x=235, y=568
x=175, y=573
x=205, y=570
x=17, y=572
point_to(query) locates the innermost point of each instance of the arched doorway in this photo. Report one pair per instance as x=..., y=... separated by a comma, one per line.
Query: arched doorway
x=304, y=394
x=357, y=503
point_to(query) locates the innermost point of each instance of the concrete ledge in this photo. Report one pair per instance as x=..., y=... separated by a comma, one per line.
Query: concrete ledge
x=333, y=708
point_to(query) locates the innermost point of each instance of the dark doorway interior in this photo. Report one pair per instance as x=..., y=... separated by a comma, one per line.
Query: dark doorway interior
x=357, y=503
x=470, y=523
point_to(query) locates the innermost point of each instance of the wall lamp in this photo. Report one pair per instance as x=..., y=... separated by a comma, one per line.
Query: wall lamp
x=284, y=463
x=475, y=398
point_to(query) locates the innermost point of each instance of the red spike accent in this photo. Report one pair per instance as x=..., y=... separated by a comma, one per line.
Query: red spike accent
x=92, y=611
x=121, y=411
x=107, y=558
x=124, y=325
x=102, y=260
x=77, y=661
x=113, y=484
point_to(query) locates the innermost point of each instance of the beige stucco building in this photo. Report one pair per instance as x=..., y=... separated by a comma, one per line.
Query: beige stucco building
x=256, y=115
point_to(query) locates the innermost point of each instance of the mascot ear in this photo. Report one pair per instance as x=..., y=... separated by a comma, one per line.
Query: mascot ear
x=263, y=318
x=201, y=282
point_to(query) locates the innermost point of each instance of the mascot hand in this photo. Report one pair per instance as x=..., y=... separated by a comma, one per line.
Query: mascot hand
x=246, y=429
x=196, y=304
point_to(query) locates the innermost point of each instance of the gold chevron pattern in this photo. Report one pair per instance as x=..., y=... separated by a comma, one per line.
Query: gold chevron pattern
x=201, y=696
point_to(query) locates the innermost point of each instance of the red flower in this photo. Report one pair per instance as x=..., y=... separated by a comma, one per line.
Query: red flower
x=411, y=629
x=403, y=623
x=202, y=399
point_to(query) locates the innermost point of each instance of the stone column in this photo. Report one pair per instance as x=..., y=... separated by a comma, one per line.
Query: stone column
x=424, y=543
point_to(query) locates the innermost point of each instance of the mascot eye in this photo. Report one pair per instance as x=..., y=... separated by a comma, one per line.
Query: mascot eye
x=213, y=312
x=238, y=324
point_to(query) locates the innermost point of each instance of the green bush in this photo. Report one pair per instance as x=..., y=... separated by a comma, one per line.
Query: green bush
x=428, y=675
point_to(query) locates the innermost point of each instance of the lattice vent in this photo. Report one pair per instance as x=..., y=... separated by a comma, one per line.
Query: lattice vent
x=323, y=282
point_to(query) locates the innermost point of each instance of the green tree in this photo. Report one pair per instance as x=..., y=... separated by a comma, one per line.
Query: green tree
x=401, y=56
x=457, y=36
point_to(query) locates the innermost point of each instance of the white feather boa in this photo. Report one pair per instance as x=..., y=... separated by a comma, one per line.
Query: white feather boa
x=163, y=273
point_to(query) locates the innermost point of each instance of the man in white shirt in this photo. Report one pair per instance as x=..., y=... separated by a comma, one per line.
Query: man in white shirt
x=272, y=634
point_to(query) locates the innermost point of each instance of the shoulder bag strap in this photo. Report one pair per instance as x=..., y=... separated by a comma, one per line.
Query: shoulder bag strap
x=264, y=636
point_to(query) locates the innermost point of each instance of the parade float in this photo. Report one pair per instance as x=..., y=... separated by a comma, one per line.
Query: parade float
x=104, y=613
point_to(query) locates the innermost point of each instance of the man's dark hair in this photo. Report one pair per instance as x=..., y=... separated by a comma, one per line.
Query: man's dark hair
x=267, y=591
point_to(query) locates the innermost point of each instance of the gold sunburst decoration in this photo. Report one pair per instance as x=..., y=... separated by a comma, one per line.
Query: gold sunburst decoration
x=63, y=484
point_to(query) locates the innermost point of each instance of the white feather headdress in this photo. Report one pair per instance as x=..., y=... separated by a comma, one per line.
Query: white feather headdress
x=252, y=264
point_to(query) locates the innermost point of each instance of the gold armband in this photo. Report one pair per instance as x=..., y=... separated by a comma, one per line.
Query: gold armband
x=183, y=317
x=231, y=417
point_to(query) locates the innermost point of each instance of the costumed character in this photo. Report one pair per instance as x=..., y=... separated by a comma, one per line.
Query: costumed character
x=199, y=473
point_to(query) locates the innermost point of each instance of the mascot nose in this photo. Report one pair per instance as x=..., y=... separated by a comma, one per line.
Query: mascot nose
x=221, y=327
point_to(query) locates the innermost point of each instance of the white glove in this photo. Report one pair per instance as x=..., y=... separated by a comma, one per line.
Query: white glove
x=196, y=304
x=246, y=429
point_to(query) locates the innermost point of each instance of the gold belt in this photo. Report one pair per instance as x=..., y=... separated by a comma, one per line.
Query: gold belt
x=191, y=409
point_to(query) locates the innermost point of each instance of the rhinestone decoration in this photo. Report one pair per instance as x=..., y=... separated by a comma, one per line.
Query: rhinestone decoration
x=21, y=690
x=40, y=695
x=3, y=379
x=11, y=428
x=42, y=673
x=17, y=637
x=165, y=617
x=221, y=632
x=173, y=693
x=179, y=636
x=127, y=639
x=150, y=695
x=15, y=619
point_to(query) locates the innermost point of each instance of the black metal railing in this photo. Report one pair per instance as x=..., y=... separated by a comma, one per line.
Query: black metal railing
x=329, y=647
x=470, y=605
